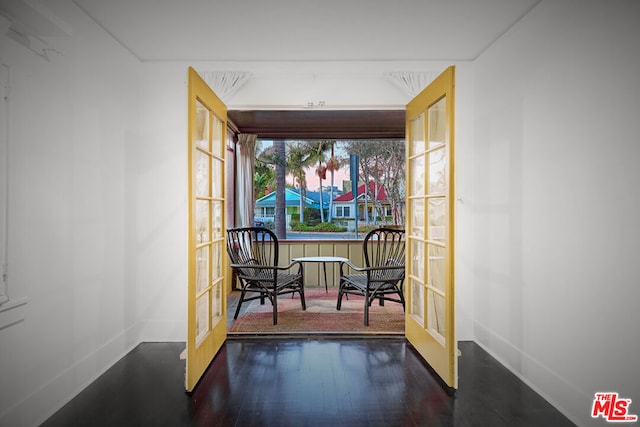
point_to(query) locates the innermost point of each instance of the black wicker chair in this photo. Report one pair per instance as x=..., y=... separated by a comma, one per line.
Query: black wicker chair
x=254, y=258
x=382, y=278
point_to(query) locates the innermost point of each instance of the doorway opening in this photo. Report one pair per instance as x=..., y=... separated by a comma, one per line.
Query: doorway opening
x=308, y=127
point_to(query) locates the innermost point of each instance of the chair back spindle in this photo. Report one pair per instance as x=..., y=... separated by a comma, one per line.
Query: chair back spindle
x=383, y=276
x=254, y=258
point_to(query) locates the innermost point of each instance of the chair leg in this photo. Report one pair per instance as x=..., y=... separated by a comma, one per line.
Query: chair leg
x=240, y=301
x=275, y=308
x=339, y=305
x=324, y=268
x=367, y=303
x=304, y=303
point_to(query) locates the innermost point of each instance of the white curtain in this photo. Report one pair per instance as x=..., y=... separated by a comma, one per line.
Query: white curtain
x=244, y=198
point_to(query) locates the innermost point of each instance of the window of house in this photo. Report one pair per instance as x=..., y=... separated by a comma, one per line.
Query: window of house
x=343, y=211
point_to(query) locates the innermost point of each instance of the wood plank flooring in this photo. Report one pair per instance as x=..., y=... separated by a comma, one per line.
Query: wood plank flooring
x=305, y=381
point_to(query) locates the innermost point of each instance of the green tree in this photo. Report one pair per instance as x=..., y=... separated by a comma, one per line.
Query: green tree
x=280, y=217
x=264, y=178
x=382, y=162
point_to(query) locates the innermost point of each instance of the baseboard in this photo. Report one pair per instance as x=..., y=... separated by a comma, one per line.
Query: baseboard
x=162, y=331
x=53, y=395
x=572, y=402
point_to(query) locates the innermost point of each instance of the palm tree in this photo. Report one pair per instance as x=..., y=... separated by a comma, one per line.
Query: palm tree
x=321, y=171
x=264, y=178
x=281, y=174
x=299, y=159
x=320, y=148
x=333, y=164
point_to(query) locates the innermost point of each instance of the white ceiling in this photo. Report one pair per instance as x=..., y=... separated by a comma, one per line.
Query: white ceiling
x=306, y=30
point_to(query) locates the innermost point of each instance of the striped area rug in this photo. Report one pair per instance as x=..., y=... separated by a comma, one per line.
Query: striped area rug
x=320, y=316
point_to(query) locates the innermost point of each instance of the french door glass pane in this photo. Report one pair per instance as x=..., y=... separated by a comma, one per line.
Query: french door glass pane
x=437, y=267
x=438, y=123
x=216, y=220
x=202, y=174
x=417, y=136
x=216, y=183
x=201, y=137
x=416, y=210
x=417, y=303
x=216, y=304
x=436, y=323
x=417, y=260
x=437, y=219
x=216, y=260
x=202, y=269
x=437, y=177
x=416, y=186
x=202, y=317
x=217, y=138
x=202, y=221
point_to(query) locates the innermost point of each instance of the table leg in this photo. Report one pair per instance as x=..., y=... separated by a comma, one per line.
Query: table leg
x=324, y=267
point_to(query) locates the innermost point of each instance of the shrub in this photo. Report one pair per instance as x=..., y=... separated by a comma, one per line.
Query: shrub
x=321, y=227
x=311, y=216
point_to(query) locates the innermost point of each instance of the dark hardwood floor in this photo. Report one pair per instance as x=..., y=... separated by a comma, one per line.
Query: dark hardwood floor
x=305, y=381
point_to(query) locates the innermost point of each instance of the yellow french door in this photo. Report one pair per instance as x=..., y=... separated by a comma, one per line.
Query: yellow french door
x=206, y=296
x=430, y=303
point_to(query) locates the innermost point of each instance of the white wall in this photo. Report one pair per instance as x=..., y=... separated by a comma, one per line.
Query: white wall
x=73, y=120
x=557, y=102
x=161, y=206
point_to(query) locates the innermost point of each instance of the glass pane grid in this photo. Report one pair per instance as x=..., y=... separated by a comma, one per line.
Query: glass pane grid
x=435, y=290
x=204, y=151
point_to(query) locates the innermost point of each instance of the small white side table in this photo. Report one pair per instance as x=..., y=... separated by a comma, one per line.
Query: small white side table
x=324, y=260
